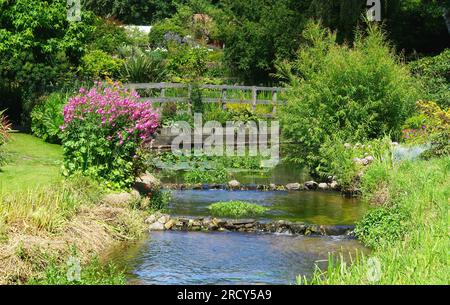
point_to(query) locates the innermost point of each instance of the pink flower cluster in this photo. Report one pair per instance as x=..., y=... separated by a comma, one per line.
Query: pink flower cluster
x=114, y=108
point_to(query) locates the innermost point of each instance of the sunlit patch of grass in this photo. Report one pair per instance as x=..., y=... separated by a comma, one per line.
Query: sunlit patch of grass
x=420, y=254
x=30, y=162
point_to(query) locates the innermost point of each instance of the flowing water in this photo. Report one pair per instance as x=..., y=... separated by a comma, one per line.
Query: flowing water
x=228, y=258
x=326, y=208
x=242, y=258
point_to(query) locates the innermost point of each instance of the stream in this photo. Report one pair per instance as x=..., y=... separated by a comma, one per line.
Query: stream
x=171, y=257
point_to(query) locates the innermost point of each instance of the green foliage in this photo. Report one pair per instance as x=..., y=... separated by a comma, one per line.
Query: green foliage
x=434, y=74
x=133, y=11
x=257, y=33
x=194, y=18
x=98, y=64
x=409, y=234
x=247, y=162
x=236, y=209
x=143, y=67
x=355, y=94
x=108, y=36
x=93, y=273
x=47, y=117
x=431, y=124
x=104, y=133
x=39, y=47
x=200, y=175
x=196, y=99
x=338, y=159
x=159, y=200
x=382, y=225
x=440, y=145
x=186, y=62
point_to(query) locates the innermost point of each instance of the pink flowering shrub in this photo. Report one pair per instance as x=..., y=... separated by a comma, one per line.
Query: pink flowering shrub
x=103, y=134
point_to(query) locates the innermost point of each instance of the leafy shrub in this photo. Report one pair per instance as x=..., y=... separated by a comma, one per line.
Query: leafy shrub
x=196, y=99
x=434, y=74
x=338, y=159
x=47, y=117
x=39, y=48
x=159, y=200
x=108, y=36
x=236, y=209
x=187, y=62
x=440, y=145
x=200, y=175
x=356, y=94
x=103, y=134
x=429, y=121
x=98, y=64
x=141, y=67
x=382, y=225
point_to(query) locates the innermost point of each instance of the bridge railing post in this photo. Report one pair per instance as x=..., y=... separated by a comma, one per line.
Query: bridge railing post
x=189, y=100
x=254, y=97
x=274, y=102
x=223, y=98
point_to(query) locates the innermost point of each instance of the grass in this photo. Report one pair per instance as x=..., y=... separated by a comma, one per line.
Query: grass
x=92, y=273
x=30, y=163
x=415, y=198
x=236, y=209
x=39, y=230
x=43, y=217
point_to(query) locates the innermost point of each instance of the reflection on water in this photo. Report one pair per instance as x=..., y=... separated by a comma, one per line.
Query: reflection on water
x=327, y=208
x=228, y=258
x=283, y=173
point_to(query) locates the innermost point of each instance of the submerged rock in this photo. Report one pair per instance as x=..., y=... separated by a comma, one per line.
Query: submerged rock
x=234, y=184
x=156, y=226
x=293, y=186
x=323, y=186
x=334, y=185
x=311, y=185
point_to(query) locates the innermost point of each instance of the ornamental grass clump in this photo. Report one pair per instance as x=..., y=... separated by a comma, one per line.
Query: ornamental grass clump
x=236, y=209
x=104, y=132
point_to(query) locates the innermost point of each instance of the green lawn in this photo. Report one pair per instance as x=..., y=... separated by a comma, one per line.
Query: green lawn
x=30, y=163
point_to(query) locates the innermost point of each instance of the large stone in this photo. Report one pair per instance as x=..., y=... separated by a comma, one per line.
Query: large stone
x=311, y=185
x=150, y=180
x=234, y=184
x=334, y=185
x=163, y=219
x=293, y=186
x=151, y=219
x=168, y=225
x=323, y=186
x=156, y=226
x=358, y=161
x=146, y=183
